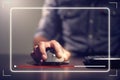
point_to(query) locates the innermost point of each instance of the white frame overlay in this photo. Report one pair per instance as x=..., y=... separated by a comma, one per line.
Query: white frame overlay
x=28, y=8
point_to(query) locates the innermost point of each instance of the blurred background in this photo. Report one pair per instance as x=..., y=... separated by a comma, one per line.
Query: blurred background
x=24, y=25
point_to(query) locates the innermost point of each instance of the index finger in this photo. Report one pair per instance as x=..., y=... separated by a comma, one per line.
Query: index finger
x=42, y=49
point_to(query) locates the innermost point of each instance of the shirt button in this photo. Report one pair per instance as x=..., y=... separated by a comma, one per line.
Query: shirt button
x=92, y=5
x=114, y=13
x=90, y=36
x=69, y=13
x=91, y=21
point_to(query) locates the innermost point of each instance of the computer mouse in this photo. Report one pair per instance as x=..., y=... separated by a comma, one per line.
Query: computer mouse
x=51, y=58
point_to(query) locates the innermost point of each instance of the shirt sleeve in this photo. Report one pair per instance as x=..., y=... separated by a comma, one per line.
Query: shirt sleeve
x=50, y=23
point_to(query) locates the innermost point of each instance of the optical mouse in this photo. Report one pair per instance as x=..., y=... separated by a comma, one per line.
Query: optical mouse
x=51, y=58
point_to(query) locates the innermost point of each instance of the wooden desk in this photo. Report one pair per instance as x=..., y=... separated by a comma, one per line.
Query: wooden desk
x=21, y=59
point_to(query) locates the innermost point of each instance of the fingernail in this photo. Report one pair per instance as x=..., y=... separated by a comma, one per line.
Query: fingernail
x=36, y=46
x=44, y=57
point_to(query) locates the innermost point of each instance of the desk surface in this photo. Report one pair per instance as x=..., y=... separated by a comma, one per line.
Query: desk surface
x=24, y=59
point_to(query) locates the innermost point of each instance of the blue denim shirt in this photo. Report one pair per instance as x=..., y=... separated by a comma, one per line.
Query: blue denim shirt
x=83, y=31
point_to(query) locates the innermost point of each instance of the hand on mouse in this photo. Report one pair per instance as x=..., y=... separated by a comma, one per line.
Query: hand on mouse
x=40, y=50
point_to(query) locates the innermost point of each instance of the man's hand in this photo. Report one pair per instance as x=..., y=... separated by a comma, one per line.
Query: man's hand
x=40, y=50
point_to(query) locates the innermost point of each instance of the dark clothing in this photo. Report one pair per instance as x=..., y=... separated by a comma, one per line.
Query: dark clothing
x=84, y=31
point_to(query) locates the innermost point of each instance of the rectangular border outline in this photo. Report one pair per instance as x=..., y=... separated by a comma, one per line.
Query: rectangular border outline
x=14, y=8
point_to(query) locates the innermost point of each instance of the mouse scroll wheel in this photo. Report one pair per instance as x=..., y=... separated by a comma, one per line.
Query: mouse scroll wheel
x=50, y=50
